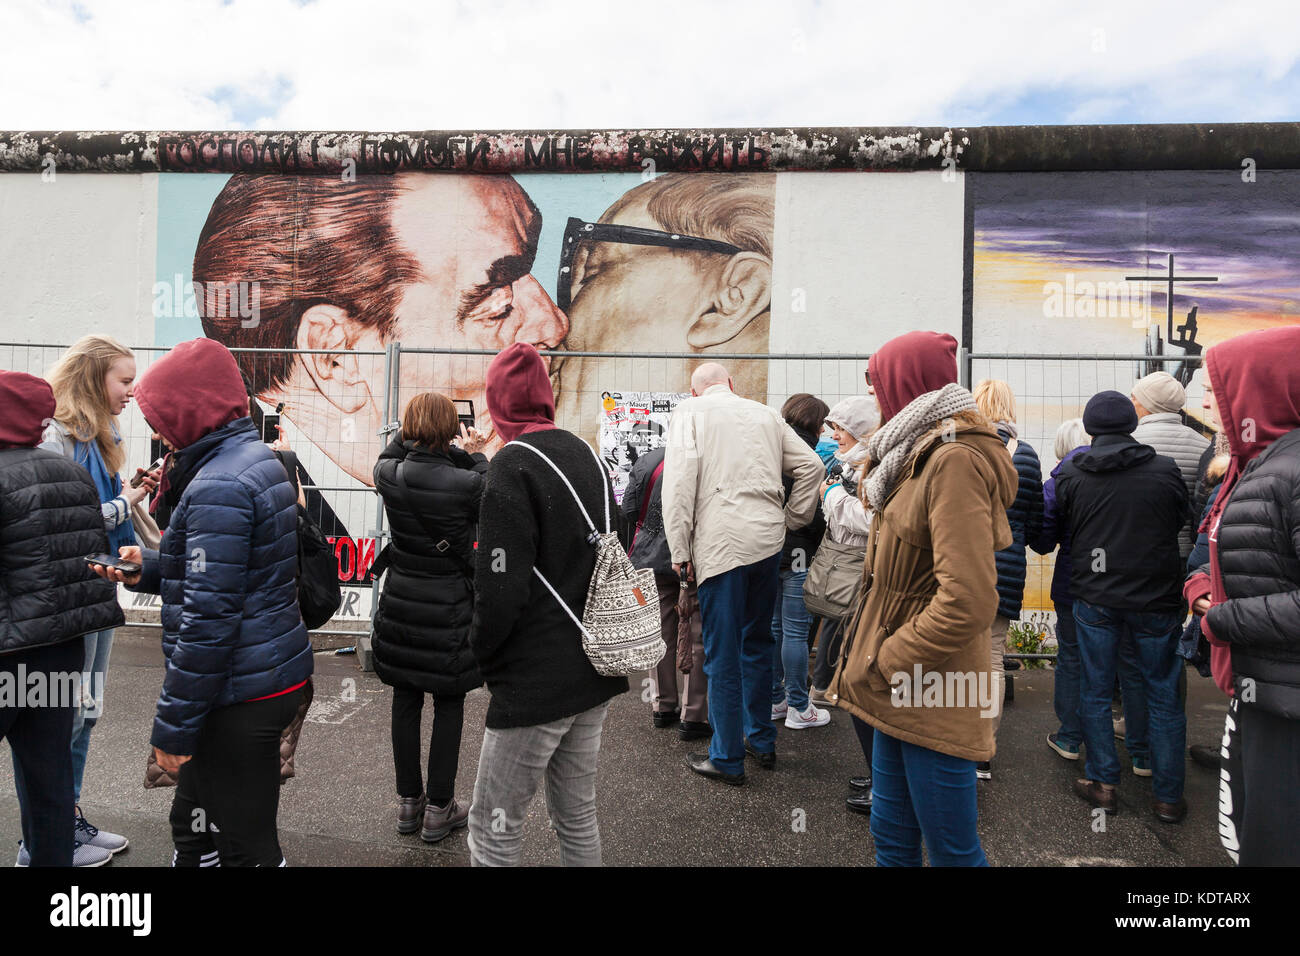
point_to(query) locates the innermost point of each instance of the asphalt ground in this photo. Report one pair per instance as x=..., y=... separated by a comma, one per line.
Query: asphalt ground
x=340, y=809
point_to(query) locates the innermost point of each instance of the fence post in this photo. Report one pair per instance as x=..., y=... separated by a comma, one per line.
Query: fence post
x=365, y=653
x=963, y=367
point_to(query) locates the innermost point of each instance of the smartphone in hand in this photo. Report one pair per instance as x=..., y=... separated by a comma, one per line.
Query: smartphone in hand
x=137, y=479
x=108, y=561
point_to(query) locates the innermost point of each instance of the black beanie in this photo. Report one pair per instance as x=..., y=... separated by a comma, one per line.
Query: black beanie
x=1109, y=413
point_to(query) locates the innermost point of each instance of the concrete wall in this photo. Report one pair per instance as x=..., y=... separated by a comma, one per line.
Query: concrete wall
x=1014, y=241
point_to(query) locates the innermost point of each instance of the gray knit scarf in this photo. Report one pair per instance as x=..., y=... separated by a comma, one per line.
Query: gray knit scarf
x=891, y=446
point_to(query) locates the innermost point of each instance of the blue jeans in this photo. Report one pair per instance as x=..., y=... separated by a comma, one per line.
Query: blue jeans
x=790, y=624
x=736, y=612
x=1069, y=677
x=99, y=644
x=1133, y=695
x=921, y=795
x=1101, y=631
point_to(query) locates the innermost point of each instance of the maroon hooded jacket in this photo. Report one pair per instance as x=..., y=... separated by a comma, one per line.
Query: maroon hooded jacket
x=908, y=366
x=1256, y=381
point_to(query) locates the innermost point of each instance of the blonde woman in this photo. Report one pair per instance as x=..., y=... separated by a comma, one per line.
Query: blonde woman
x=93, y=383
x=997, y=403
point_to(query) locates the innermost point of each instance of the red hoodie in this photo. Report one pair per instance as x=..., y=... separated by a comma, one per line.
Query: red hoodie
x=26, y=407
x=908, y=366
x=192, y=390
x=1256, y=381
x=519, y=395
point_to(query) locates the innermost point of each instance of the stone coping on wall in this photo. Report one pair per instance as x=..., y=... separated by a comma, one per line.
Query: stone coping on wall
x=979, y=148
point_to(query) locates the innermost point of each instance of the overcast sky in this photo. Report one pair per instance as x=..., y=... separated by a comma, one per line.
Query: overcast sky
x=506, y=64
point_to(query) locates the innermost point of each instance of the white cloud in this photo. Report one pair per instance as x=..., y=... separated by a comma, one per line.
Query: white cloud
x=512, y=64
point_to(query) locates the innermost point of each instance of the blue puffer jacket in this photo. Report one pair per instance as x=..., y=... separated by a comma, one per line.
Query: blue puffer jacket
x=1026, y=519
x=226, y=570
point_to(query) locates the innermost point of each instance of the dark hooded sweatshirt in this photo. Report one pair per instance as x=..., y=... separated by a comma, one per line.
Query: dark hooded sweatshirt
x=227, y=565
x=49, y=521
x=528, y=649
x=1254, y=525
x=1123, y=505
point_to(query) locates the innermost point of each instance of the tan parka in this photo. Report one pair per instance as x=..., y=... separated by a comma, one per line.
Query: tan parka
x=916, y=659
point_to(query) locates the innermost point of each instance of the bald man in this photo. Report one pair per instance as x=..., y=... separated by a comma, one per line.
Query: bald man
x=725, y=516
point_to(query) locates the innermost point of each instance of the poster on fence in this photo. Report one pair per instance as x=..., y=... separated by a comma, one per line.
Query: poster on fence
x=631, y=424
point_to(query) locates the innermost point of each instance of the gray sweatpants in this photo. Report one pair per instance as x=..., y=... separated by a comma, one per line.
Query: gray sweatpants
x=510, y=765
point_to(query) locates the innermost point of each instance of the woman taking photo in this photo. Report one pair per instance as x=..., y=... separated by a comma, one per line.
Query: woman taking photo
x=93, y=383
x=431, y=490
x=939, y=487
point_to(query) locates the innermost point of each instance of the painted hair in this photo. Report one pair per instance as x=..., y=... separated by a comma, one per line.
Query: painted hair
x=78, y=380
x=734, y=209
x=305, y=240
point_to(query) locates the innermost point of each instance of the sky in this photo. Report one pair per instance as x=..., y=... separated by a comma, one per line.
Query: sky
x=505, y=64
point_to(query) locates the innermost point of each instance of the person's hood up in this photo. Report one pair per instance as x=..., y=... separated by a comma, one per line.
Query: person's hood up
x=1256, y=381
x=857, y=414
x=26, y=407
x=1113, y=453
x=908, y=366
x=192, y=390
x=519, y=395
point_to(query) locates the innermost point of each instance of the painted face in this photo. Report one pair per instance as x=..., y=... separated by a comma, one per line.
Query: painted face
x=620, y=290
x=119, y=384
x=475, y=240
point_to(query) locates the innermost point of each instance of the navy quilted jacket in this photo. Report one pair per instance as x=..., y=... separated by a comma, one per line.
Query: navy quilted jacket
x=1026, y=519
x=226, y=570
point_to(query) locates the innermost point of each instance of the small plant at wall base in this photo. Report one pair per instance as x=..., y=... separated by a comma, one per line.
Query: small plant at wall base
x=1029, y=637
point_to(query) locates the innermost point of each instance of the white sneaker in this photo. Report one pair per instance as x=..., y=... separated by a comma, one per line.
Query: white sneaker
x=812, y=717
x=93, y=836
x=83, y=854
x=779, y=710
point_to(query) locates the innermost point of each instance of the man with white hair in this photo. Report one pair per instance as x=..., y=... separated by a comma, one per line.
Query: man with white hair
x=725, y=515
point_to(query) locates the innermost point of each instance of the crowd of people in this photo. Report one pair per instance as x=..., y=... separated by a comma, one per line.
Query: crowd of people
x=877, y=571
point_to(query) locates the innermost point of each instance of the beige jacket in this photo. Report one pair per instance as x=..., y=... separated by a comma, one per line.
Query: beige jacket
x=723, y=501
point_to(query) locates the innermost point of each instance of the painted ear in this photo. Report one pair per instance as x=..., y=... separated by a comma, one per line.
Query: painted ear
x=742, y=294
x=328, y=331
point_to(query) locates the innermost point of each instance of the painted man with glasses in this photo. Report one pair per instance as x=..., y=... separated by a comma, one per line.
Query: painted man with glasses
x=682, y=263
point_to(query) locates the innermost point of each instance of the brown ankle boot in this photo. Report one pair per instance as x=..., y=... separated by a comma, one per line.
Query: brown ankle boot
x=408, y=813
x=440, y=821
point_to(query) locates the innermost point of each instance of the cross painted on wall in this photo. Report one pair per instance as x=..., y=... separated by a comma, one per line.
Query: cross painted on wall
x=1183, y=338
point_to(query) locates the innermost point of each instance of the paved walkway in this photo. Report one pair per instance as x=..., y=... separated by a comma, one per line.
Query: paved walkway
x=339, y=810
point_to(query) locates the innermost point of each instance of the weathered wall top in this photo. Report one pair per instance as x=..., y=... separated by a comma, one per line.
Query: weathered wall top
x=986, y=148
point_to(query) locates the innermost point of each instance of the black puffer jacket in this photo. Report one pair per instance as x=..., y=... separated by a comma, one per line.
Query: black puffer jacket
x=50, y=520
x=423, y=622
x=650, y=541
x=802, y=543
x=1124, y=506
x=1259, y=556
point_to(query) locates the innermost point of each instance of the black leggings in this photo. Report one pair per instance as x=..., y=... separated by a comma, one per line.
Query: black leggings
x=444, y=744
x=228, y=794
x=866, y=739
